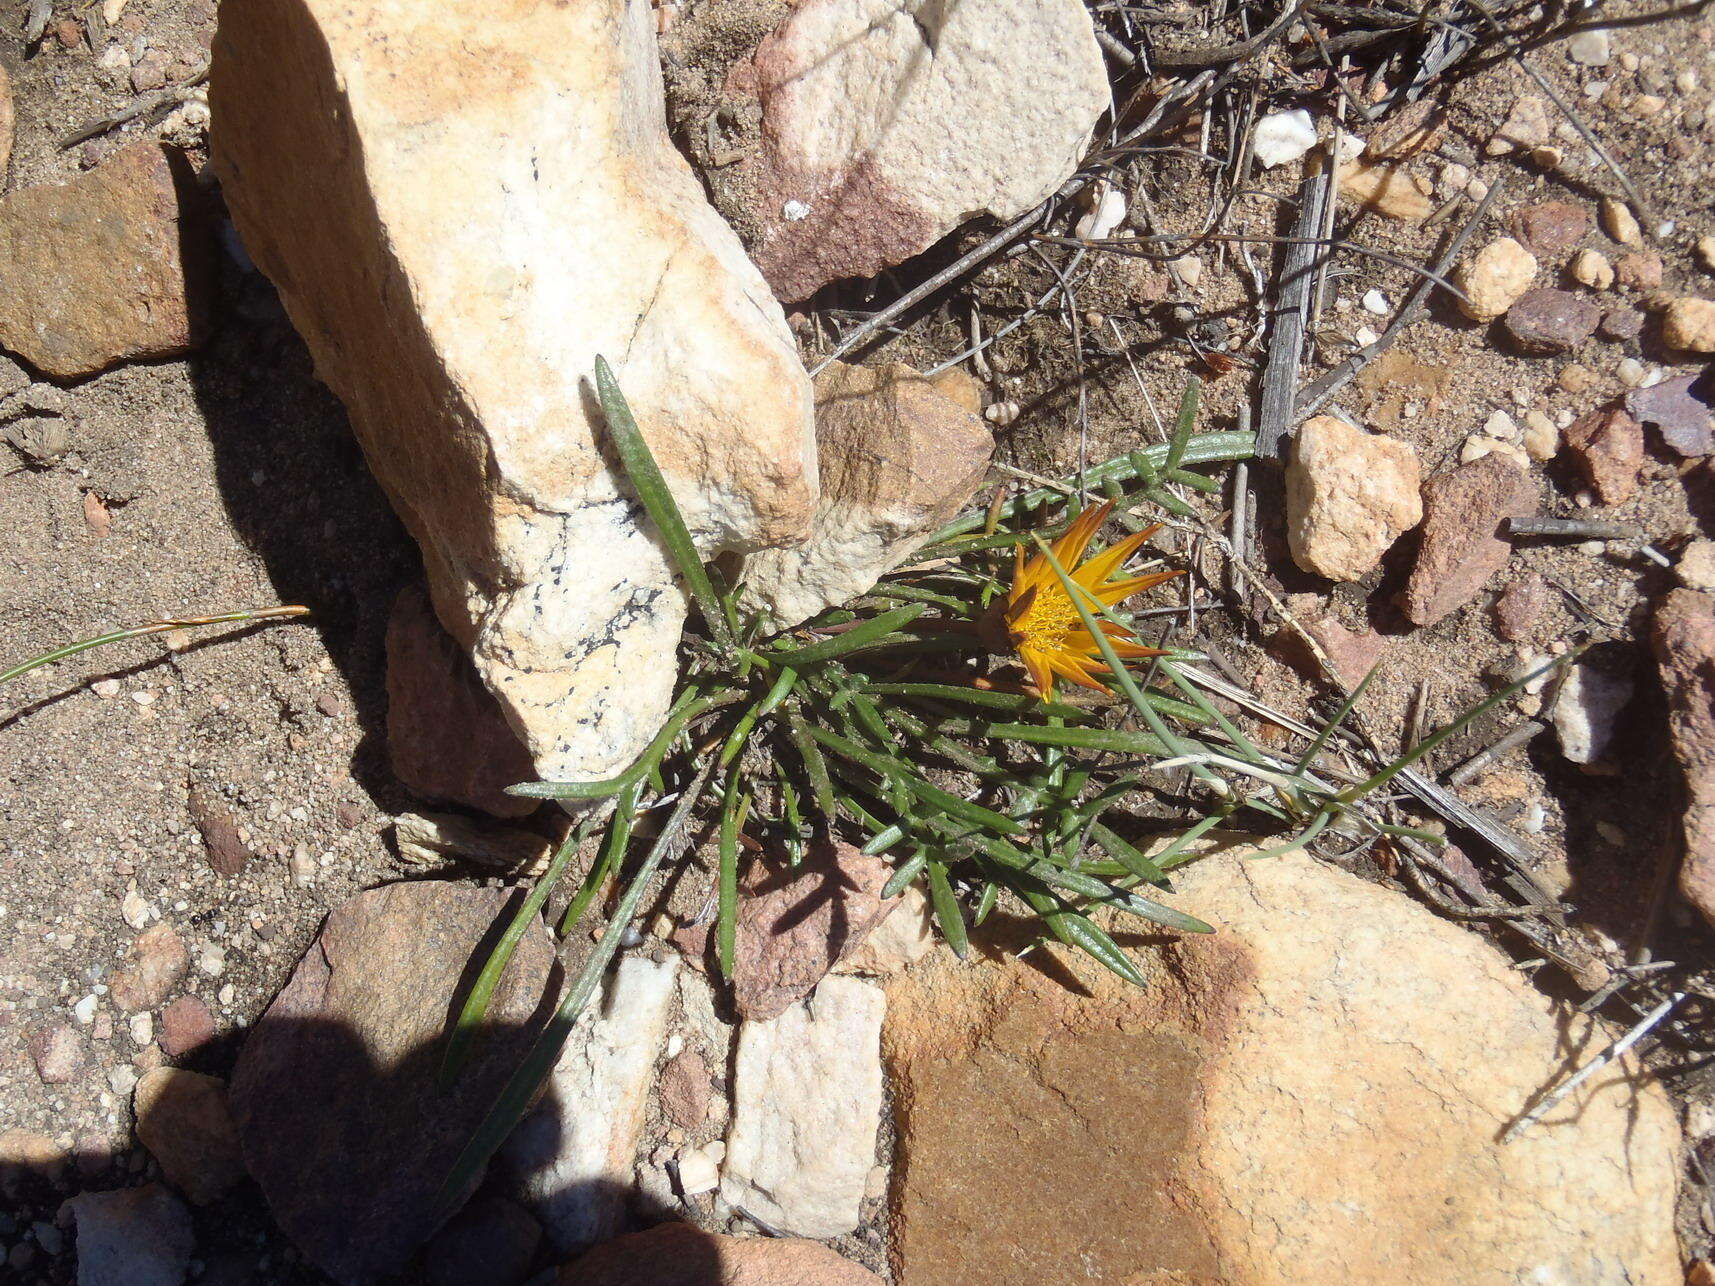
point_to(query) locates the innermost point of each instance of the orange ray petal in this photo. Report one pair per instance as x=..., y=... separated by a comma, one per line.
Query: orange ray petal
x=1018, y=604
x=1110, y=560
x=1111, y=594
x=1040, y=674
x=1070, y=547
x=1068, y=666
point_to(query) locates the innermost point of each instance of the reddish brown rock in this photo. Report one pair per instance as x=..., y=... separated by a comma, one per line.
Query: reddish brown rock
x=1519, y=606
x=1684, y=637
x=1550, y=228
x=186, y=1025
x=227, y=853
x=1546, y=321
x=58, y=1053
x=1640, y=270
x=158, y=960
x=446, y=734
x=1462, y=544
x=685, y=1089
x=1621, y=324
x=795, y=925
x=676, y=1254
x=336, y=1096
x=111, y=267
x=1353, y=654
x=1609, y=446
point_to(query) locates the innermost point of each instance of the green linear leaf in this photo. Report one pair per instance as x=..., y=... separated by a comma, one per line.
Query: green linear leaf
x=645, y=477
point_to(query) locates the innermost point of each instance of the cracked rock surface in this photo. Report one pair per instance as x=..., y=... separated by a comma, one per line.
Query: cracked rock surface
x=461, y=208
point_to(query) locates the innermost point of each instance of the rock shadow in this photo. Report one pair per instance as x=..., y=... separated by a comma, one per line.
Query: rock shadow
x=300, y=495
x=345, y=1185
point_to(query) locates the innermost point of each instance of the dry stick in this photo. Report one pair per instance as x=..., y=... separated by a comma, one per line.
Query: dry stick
x=1286, y=338
x=1615, y=1050
x=971, y=259
x=1518, y=855
x=1314, y=395
x=1506, y=744
x=142, y=107
x=1573, y=529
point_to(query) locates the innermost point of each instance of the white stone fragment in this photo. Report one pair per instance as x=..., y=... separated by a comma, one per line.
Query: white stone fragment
x=462, y=208
x=1104, y=217
x=1281, y=137
x=700, y=1168
x=807, y=1090
x=572, y=1157
x=1586, y=710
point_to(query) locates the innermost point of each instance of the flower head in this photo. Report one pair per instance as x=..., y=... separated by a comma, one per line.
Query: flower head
x=1041, y=624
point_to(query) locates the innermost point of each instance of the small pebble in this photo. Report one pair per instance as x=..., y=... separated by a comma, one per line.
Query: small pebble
x=134, y=910
x=105, y=688
x=1375, y=302
x=1591, y=268
x=1591, y=48
x=1541, y=437
x=1631, y=372
x=1696, y=566
x=1619, y=222
x=144, y=698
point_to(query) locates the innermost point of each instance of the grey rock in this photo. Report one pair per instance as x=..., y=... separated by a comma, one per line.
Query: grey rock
x=132, y=1237
x=1679, y=408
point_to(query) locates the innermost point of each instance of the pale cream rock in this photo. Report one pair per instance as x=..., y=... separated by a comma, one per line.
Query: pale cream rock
x=1695, y=569
x=807, y=1104
x=1586, y=711
x=1591, y=268
x=6, y=125
x=1541, y=437
x=1619, y=222
x=1349, y=496
x=1526, y=126
x=1385, y=188
x=899, y=941
x=1494, y=278
x=1689, y=324
x=1479, y=445
x=1706, y=252
x=462, y=207
x=887, y=123
x=899, y=458
x=436, y=838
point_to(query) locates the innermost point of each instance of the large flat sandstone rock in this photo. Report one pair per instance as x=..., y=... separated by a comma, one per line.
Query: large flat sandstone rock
x=462, y=205
x=1314, y=1093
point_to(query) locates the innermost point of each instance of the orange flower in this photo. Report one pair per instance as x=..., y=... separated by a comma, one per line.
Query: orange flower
x=1043, y=626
